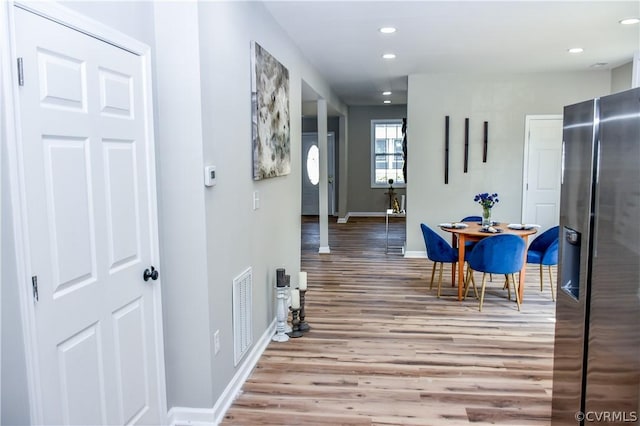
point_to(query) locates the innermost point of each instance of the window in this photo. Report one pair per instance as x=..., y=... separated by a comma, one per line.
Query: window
x=386, y=153
x=313, y=165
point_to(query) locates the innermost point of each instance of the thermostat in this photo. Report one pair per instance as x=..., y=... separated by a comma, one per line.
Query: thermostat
x=209, y=175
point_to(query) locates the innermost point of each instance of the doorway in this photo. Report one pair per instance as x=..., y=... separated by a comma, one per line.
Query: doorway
x=310, y=174
x=542, y=163
x=90, y=237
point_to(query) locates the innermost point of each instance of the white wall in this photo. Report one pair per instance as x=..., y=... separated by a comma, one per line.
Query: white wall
x=134, y=18
x=502, y=100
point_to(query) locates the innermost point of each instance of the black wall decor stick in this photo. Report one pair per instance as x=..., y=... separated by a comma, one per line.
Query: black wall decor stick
x=446, y=149
x=486, y=142
x=466, y=144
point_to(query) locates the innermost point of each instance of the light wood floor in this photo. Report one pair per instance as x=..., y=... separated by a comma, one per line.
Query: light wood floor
x=383, y=350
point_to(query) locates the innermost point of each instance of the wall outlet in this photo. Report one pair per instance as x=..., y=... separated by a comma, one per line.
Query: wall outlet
x=216, y=342
x=256, y=200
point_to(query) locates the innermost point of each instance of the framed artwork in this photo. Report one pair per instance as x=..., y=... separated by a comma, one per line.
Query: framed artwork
x=269, y=115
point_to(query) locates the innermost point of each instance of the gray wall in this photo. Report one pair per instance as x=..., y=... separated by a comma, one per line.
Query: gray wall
x=621, y=77
x=503, y=100
x=205, y=119
x=361, y=197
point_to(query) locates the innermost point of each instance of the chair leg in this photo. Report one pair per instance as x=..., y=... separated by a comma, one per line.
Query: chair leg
x=541, y=279
x=506, y=285
x=440, y=278
x=469, y=278
x=433, y=272
x=553, y=293
x=484, y=280
x=515, y=289
x=473, y=281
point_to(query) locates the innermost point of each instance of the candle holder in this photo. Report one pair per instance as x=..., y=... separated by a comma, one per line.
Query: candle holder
x=304, y=326
x=281, y=315
x=295, y=322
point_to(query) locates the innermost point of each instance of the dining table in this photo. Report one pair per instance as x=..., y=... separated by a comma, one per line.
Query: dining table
x=463, y=232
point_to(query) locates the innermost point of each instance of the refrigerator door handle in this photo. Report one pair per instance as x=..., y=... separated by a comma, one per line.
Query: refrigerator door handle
x=562, y=165
x=596, y=196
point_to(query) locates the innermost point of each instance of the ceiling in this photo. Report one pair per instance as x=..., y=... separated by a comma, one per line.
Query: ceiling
x=342, y=41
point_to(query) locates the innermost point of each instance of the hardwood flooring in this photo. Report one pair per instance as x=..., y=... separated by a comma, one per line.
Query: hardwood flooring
x=383, y=350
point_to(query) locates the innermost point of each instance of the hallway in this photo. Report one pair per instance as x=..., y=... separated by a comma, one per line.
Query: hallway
x=383, y=350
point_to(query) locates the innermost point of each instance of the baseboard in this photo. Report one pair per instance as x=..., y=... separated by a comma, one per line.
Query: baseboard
x=415, y=254
x=185, y=416
x=366, y=214
x=324, y=250
x=343, y=219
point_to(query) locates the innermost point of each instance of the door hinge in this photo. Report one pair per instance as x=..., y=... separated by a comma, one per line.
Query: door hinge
x=20, y=73
x=34, y=285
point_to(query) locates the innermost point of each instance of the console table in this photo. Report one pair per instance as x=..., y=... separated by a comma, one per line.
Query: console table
x=389, y=213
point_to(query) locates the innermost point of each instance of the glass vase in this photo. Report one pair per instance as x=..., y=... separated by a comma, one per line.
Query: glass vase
x=486, y=217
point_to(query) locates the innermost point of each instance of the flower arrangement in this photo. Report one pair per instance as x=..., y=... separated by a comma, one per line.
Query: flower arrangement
x=486, y=200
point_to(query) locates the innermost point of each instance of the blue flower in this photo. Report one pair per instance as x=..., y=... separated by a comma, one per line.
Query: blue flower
x=486, y=200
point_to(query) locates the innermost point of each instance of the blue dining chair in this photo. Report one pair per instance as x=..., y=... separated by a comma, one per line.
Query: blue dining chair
x=544, y=251
x=499, y=254
x=469, y=244
x=438, y=251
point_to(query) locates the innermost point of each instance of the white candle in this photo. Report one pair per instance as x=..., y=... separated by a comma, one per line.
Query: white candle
x=295, y=299
x=303, y=281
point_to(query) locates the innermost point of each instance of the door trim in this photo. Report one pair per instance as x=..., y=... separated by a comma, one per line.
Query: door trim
x=525, y=161
x=16, y=176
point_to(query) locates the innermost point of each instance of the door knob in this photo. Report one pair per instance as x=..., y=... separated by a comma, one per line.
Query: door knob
x=150, y=273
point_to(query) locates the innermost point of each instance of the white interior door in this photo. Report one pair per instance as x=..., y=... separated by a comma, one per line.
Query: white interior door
x=310, y=173
x=88, y=193
x=541, y=200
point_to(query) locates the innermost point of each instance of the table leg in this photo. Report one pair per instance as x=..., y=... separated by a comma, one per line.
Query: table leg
x=386, y=231
x=454, y=244
x=523, y=270
x=461, y=246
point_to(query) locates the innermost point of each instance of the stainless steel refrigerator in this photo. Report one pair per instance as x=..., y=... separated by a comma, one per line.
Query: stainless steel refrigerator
x=596, y=372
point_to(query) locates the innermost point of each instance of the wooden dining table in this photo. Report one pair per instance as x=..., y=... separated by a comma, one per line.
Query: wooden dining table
x=474, y=232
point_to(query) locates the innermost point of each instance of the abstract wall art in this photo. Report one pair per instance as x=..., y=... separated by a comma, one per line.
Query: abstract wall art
x=270, y=115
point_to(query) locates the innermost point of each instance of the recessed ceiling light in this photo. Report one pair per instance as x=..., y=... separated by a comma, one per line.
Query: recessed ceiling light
x=387, y=93
x=629, y=21
x=599, y=65
x=387, y=101
x=575, y=50
x=387, y=30
x=389, y=56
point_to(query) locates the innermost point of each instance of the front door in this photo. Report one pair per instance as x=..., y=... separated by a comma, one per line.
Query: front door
x=311, y=174
x=90, y=207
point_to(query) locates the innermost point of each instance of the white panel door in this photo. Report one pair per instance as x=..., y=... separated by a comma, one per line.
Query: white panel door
x=542, y=171
x=87, y=188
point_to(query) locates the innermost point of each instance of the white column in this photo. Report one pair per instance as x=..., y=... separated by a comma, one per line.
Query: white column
x=323, y=191
x=343, y=160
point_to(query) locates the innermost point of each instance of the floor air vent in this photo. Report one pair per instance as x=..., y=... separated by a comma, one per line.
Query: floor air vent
x=242, y=335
